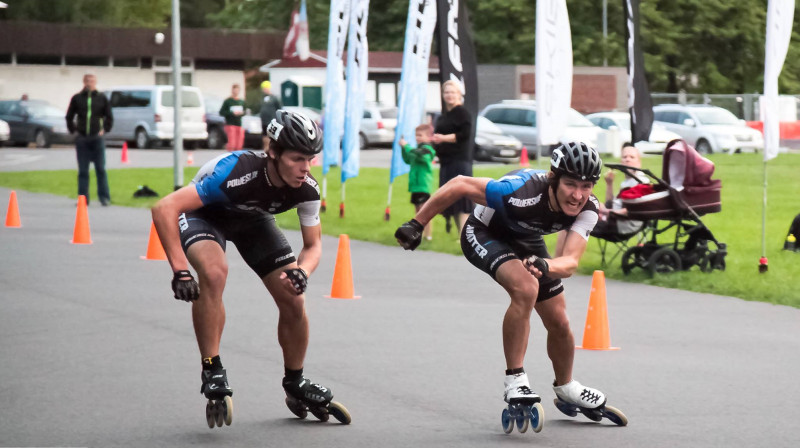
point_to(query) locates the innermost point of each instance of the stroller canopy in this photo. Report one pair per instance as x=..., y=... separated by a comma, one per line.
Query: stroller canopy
x=683, y=166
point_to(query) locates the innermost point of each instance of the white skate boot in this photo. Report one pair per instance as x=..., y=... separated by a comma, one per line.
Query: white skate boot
x=574, y=397
x=524, y=405
x=580, y=395
x=518, y=390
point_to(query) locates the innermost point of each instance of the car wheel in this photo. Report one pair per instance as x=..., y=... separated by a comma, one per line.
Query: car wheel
x=703, y=147
x=142, y=140
x=41, y=139
x=362, y=141
x=216, y=138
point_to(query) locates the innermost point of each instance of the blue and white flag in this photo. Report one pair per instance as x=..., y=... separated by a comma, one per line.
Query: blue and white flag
x=413, y=79
x=357, y=66
x=334, y=84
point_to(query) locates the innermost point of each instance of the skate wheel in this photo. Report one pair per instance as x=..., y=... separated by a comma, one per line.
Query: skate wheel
x=227, y=406
x=219, y=413
x=296, y=407
x=592, y=414
x=522, y=422
x=339, y=412
x=210, y=419
x=537, y=417
x=508, y=423
x=615, y=415
x=320, y=413
x=565, y=408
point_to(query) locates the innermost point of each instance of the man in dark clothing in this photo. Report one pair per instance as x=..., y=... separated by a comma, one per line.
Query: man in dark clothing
x=94, y=119
x=269, y=106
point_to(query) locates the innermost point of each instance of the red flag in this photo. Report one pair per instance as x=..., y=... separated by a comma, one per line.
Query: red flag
x=289, y=47
x=297, y=40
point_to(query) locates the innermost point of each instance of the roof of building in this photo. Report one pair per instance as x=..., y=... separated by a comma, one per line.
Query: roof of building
x=379, y=62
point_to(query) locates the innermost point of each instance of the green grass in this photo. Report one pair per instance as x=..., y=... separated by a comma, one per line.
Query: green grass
x=738, y=225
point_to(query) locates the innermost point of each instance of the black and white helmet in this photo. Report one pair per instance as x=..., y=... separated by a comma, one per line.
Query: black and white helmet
x=296, y=132
x=578, y=160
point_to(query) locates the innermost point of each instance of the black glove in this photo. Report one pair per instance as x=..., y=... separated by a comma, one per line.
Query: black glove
x=409, y=235
x=299, y=279
x=185, y=287
x=539, y=263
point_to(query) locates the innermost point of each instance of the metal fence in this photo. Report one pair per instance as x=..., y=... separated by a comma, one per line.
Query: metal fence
x=744, y=105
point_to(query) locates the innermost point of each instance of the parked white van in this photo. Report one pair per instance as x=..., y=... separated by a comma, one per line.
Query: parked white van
x=145, y=115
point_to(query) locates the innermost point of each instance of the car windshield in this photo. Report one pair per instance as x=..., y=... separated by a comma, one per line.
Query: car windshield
x=213, y=104
x=715, y=115
x=484, y=125
x=389, y=113
x=624, y=123
x=189, y=98
x=576, y=120
x=43, y=110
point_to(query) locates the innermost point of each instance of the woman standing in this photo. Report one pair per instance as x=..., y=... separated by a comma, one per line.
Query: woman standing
x=452, y=139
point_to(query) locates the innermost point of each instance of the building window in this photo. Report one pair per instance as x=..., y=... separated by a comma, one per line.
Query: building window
x=94, y=61
x=35, y=59
x=165, y=78
x=5, y=58
x=125, y=62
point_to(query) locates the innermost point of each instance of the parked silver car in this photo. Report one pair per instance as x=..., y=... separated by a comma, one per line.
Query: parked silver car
x=35, y=121
x=377, y=125
x=708, y=128
x=5, y=131
x=493, y=145
x=518, y=118
x=621, y=121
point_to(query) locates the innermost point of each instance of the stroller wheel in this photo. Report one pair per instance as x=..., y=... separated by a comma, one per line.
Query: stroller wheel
x=633, y=257
x=663, y=261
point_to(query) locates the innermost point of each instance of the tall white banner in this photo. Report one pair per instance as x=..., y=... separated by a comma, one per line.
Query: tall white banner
x=334, y=84
x=780, y=14
x=553, y=69
x=357, y=68
x=413, y=78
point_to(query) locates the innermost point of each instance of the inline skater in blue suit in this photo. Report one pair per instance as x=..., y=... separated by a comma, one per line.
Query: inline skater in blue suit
x=234, y=198
x=503, y=238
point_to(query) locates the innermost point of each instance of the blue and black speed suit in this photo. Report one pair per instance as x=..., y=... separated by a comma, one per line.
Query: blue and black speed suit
x=511, y=225
x=239, y=204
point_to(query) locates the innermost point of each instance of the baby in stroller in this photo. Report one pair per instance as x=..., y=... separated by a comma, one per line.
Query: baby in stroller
x=614, y=223
x=685, y=193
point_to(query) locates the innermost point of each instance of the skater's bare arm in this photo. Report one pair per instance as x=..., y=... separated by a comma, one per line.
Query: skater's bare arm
x=165, y=217
x=473, y=188
x=569, y=250
x=308, y=260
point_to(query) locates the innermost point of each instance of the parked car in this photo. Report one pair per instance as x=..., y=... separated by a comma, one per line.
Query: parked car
x=35, y=121
x=377, y=125
x=708, y=128
x=215, y=123
x=5, y=131
x=621, y=121
x=493, y=145
x=253, y=137
x=144, y=115
x=518, y=118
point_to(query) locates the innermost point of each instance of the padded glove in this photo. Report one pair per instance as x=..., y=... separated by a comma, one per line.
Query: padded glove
x=409, y=235
x=299, y=279
x=185, y=287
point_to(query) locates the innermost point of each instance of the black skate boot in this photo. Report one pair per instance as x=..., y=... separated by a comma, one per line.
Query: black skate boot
x=303, y=396
x=219, y=408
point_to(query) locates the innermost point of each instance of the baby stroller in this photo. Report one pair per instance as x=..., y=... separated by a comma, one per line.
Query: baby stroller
x=685, y=193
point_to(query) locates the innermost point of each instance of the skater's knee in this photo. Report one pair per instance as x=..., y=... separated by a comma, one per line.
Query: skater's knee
x=291, y=306
x=523, y=295
x=558, y=326
x=214, y=276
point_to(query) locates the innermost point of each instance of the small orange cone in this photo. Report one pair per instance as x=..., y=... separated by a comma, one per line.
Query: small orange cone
x=124, y=152
x=82, y=234
x=343, y=272
x=155, y=251
x=12, y=216
x=523, y=157
x=595, y=334
x=190, y=158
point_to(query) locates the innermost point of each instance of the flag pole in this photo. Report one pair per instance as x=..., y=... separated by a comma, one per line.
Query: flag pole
x=322, y=206
x=388, y=214
x=763, y=265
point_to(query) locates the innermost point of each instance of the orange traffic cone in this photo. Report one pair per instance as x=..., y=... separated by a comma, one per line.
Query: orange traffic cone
x=343, y=272
x=82, y=234
x=155, y=251
x=124, y=152
x=596, y=334
x=190, y=158
x=523, y=157
x=12, y=216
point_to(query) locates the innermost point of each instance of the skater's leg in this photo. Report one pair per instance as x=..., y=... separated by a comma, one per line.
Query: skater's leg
x=523, y=289
x=292, y=320
x=208, y=312
x=560, y=341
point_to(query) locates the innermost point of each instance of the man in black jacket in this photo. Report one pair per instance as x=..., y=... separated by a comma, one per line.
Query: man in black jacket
x=94, y=119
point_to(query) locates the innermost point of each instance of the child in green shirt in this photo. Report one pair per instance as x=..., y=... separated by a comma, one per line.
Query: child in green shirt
x=420, y=179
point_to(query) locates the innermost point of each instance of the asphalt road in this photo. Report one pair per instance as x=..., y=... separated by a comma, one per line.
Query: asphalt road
x=95, y=352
